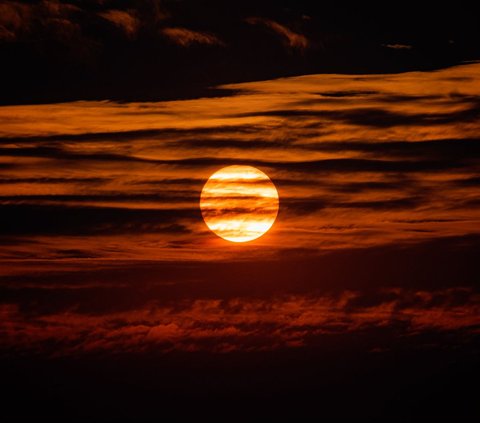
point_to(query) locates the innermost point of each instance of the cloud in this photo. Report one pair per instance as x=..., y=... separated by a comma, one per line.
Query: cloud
x=290, y=38
x=48, y=180
x=57, y=220
x=52, y=18
x=6, y=34
x=123, y=19
x=370, y=165
x=380, y=118
x=187, y=37
x=241, y=324
x=15, y=18
x=444, y=149
x=398, y=46
x=301, y=166
x=130, y=135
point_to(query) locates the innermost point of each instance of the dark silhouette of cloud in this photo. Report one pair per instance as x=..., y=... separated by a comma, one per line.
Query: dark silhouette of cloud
x=379, y=118
x=47, y=180
x=132, y=134
x=35, y=219
x=122, y=50
x=186, y=37
x=439, y=148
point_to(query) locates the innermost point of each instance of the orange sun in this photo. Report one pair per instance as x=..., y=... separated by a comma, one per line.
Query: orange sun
x=239, y=203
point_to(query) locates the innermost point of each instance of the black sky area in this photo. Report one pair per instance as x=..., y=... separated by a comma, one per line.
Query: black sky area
x=96, y=60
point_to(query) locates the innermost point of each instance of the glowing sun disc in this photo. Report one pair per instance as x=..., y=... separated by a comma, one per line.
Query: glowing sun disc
x=239, y=203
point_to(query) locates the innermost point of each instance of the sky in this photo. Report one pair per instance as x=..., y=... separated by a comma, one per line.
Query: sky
x=361, y=303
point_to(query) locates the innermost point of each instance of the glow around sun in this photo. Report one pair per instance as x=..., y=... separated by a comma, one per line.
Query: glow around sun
x=239, y=203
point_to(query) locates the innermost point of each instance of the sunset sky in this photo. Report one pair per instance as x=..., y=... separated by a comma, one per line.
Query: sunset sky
x=118, y=303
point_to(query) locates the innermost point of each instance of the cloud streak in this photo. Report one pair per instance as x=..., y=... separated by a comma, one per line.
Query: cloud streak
x=124, y=20
x=185, y=37
x=289, y=38
x=358, y=161
x=377, y=168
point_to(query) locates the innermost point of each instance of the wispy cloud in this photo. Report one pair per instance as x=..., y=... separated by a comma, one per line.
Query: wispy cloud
x=289, y=37
x=398, y=46
x=358, y=161
x=123, y=19
x=186, y=37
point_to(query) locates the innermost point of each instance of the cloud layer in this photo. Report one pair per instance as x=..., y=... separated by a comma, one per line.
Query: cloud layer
x=358, y=161
x=104, y=247
x=66, y=50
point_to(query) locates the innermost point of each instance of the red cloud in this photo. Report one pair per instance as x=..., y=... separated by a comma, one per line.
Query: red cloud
x=185, y=37
x=240, y=324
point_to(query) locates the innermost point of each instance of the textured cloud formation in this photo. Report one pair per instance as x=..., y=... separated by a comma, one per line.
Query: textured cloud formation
x=132, y=50
x=290, y=38
x=241, y=324
x=377, y=229
x=358, y=161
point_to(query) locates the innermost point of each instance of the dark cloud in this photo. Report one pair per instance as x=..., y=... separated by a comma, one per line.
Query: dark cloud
x=359, y=187
x=340, y=97
x=122, y=50
x=125, y=20
x=162, y=197
x=378, y=118
x=438, y=149
x=398, y=46
x=230, y=142
x=366, y=165
x=303, y=206
x=62, y=154
x=56, y=220
x=163, y=133
x=186, y=37
x=327, y=165
x=349, y=93
x=430, y=265
x=400, y=203
x=49, y=180
x=474, y=181
x=432, y=149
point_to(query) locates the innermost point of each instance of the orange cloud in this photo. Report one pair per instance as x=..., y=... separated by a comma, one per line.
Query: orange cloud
x=124, y=20
x=290, y=38
x=185, y=37
x=358, y=161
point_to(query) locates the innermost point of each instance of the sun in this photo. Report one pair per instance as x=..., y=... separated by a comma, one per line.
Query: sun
x=239, y=203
